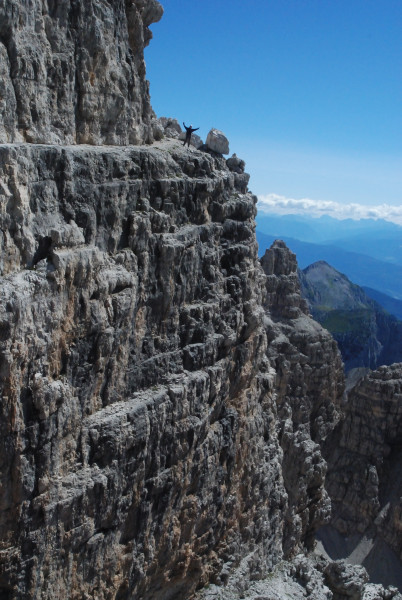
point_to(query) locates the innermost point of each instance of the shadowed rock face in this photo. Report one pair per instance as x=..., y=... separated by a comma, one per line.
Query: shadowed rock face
x=364, y=455
x=74, y=72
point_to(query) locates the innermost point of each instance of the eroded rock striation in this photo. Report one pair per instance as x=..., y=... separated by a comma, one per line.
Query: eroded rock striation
x=364, y=478
x=308, y=385
x=164, y=396
x=74, y=72
x=132, y=374
x=140, y=378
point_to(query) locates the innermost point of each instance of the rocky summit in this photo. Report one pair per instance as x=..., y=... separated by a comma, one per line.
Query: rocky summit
x=165, y=397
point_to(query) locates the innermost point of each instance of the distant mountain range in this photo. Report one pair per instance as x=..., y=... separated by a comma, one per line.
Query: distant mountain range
x=368, y=251
x=367, y=335
x=377, y=238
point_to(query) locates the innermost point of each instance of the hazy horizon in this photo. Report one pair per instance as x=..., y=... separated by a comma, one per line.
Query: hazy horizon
x=280, y=205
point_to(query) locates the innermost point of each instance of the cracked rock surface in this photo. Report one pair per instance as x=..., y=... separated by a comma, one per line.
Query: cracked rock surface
x=364, y=476
x=133, y=374
x=311, y=577
x=165, y=396
x=142, y=452
x=308, y=385
x=74, y=72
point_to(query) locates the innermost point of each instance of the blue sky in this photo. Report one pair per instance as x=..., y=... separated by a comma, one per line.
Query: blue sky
x=308, y=92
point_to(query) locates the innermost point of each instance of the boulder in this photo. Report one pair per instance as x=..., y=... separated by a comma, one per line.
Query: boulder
x=172, y=128
x=157, y=129
x=217, y=142
x=344, y=580
x=236, y=164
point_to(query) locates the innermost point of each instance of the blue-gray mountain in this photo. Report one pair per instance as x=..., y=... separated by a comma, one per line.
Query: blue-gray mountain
x=360, y=268
x=366, y=334
x=368, y=251
x=391, y=305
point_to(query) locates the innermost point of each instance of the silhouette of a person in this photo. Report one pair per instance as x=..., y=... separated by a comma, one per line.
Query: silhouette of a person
x=189, y=131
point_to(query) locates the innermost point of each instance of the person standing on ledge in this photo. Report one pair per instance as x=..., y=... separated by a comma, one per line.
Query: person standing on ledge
x=189, y=131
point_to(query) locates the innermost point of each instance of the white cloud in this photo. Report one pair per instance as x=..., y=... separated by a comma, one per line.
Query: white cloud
x=274, y=203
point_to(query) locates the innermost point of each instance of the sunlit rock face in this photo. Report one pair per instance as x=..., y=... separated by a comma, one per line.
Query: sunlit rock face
x=74, y=72
x=141, y=378
x=308, y=385
x=163, y=399
x=139, y=449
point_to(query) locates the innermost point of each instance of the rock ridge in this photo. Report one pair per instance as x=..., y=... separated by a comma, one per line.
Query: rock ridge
x=309, y=382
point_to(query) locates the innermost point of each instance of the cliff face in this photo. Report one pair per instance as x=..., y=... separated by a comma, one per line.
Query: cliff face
x=364, y=478
x=308, y=385
x=140, y=454
x=163, y=400
x=74, y=72
x=132, y=373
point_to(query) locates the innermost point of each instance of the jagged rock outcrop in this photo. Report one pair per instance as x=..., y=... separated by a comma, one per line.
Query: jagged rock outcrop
x=74, y=72
x=171, y=127
x=308, y=384
x=236, y=164
x=307, y=577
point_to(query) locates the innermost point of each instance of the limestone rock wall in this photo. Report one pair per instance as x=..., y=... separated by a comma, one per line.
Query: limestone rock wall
x=364, y=455
x=74, y=72
x=163, y=400
x=309, y=382
x=139, y=454
x=158, y=427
